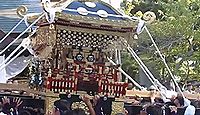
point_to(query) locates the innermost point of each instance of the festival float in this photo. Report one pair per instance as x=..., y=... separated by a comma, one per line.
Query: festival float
x=76, y=46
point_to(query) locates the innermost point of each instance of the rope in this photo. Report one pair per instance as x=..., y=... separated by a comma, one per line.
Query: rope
x=11, y=30
x=22, y=33
x=18, y=47
x=25, y=18
x=141, y=64
x=123, y=72
x=164, y=61
x=146, y=71
x=2, y=67
x=25, y=43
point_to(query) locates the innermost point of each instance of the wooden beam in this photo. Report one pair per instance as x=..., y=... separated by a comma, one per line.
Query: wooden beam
x=133, y=93
x=20, y=87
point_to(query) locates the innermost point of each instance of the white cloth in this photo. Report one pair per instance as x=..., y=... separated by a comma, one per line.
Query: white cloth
x=187, y=102
x=50, y=12
x=170, y=94
x=14, y=68
x=3, y=78
x=140, y=27
x=164, y=92
x=1, y=113
x=50, y=16
x=190, y=110
x=17, y=66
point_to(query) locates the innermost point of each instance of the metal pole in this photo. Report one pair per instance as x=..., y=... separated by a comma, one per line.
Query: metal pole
x=120, y=62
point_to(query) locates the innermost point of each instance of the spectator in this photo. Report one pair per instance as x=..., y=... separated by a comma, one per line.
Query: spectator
x=154, y=110
x=181, y=102
x=1, y=109
x=86, y=99
x=11, y=107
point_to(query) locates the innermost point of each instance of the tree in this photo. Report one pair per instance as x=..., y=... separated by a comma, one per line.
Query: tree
x=176, y=32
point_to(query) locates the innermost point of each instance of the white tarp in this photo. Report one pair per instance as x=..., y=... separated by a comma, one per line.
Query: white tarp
x=17, y=66
x=14, y=68
x=3, y=78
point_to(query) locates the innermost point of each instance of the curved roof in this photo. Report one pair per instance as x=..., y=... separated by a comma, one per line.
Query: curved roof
x=93, y=9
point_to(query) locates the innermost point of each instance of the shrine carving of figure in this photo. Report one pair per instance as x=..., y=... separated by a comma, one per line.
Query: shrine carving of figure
x=100, y=58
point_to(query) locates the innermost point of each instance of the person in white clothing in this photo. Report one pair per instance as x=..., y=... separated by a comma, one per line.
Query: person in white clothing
x=179, y=101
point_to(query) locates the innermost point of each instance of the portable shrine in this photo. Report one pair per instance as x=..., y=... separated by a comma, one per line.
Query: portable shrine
x=76, y=45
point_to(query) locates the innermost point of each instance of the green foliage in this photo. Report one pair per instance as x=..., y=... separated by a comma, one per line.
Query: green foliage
x=129, y=65
x=176, y=31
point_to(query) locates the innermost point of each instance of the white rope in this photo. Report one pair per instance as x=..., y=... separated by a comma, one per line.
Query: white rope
x=130, y=78
x=11, y=30
x=148, y=73
x=141, y=64
x=2, y=67
x=164, y=61
x=22, y=33
x=24, y=42
x=145, y=67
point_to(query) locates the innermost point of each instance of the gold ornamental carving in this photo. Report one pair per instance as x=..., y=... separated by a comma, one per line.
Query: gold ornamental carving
x=22, y=11
x=44, y=41
x=149, y=17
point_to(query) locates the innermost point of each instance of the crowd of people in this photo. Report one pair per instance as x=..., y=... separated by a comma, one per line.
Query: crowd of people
x=96, y=105
x=175, y=104
x=14, y=105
